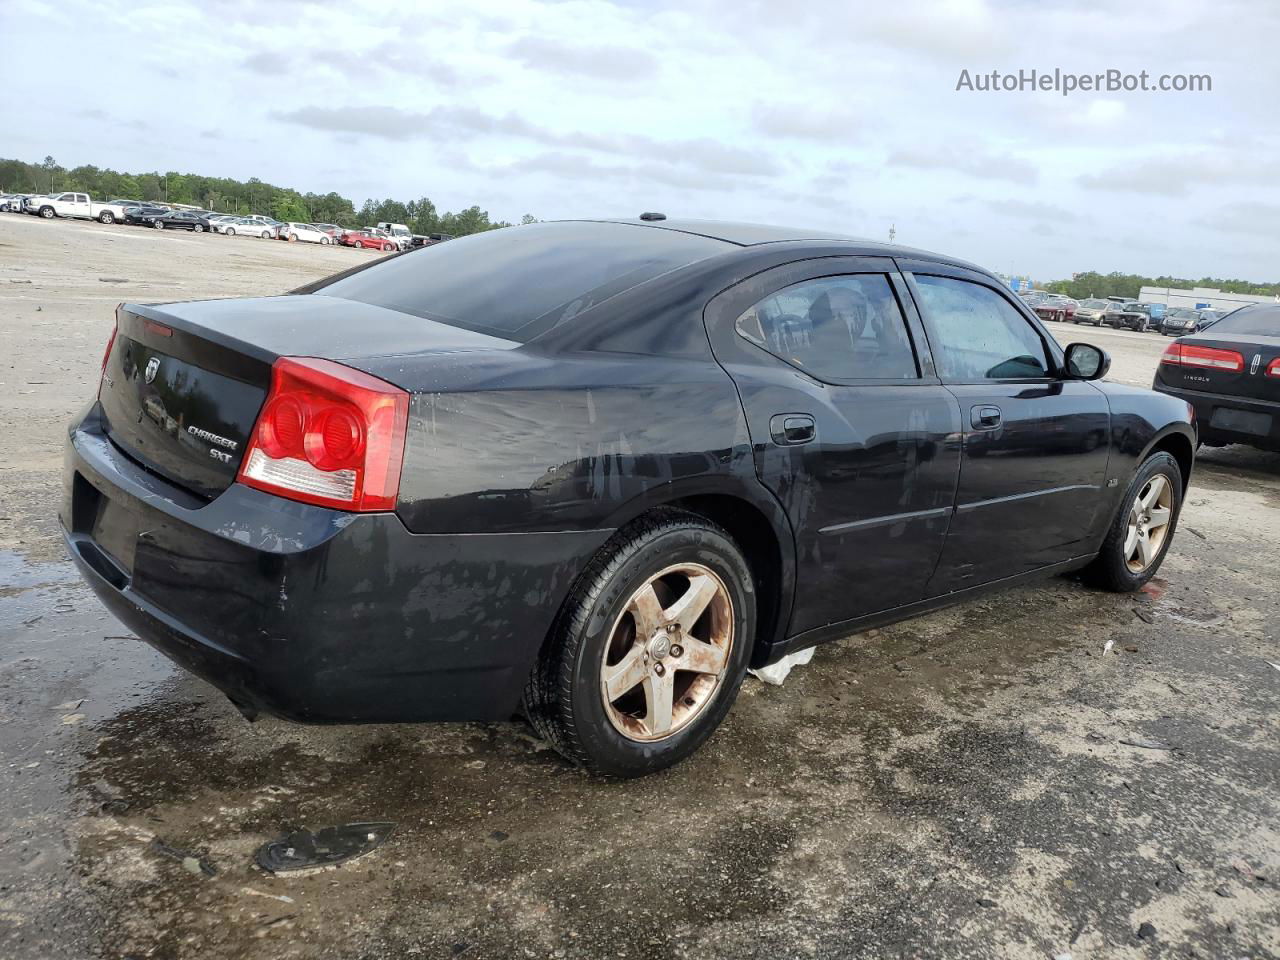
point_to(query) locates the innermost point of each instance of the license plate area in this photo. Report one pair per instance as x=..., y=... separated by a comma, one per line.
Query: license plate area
x=112, y=527
x=1241, y=421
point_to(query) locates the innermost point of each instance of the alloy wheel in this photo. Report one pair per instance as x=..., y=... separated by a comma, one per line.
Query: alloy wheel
x=1149, y=519
x=667, y=652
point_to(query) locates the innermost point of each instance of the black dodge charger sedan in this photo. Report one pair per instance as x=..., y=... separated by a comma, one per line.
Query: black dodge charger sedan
x=594, y=470
x=1230, y=373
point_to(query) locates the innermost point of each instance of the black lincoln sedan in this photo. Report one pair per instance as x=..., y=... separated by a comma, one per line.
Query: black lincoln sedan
x=1230, y=373
x=594, y=470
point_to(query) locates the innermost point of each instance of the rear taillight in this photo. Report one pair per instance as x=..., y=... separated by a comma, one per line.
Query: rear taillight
x=106, y=355
x=1273, y=370
x=1191, y=355
x=328, y=435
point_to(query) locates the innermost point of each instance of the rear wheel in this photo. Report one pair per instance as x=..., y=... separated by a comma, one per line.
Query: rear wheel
x=1143, y=528
x=649, y=650
x=158, y=224
x=106, y=216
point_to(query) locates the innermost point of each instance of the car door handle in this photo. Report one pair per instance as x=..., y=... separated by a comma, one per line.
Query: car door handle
x=792, y=429
x=985, y=417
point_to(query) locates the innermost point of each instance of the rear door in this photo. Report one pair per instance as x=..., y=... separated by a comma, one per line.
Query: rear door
x=1035, y=446
x=851, y=429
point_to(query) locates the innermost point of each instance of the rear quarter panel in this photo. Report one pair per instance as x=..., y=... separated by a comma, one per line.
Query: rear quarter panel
x=1141, y=420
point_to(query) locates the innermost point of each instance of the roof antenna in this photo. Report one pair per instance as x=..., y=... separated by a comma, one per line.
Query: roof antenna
x=653, y=216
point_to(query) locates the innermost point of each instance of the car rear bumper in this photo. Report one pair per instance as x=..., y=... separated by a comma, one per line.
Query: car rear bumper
x=1211, y=407
x=314, y=614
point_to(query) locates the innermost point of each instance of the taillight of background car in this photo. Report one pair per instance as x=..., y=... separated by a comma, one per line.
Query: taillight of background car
x=328, y=435
x=1191, y=355
x=1273, y=370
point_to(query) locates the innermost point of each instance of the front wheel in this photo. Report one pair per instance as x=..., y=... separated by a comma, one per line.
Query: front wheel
x=229, y=232
x=1143, y=527
x=47, y=213
x=649, y=650
x=325, y=241
x=266, y=234
x=198, y=228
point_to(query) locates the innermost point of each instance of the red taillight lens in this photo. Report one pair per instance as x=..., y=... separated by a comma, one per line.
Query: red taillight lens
x=1273, y=370
x=1191, y=355
x=106, y=354
x=328, y=435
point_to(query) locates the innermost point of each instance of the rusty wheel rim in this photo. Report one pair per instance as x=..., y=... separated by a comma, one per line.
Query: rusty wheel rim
x=667, y=653
x=1149, y=520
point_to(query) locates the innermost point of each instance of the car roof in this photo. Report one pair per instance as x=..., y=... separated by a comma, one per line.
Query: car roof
x=754, y=234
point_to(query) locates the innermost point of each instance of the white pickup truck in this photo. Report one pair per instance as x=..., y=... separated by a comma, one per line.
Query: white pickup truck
x=77, y=205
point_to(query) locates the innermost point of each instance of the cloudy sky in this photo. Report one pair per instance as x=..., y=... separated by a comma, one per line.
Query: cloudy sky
x=837, y=115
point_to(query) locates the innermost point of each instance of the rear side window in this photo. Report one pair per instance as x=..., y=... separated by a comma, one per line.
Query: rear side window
x=518, y=282
x=1263, y=321
x=835, y=328
x=975, y=334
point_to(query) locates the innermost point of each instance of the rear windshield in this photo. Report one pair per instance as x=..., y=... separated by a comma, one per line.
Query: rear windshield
x=1251, y=322
x=518, y=282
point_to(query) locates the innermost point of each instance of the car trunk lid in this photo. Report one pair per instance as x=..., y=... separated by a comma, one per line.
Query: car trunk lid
x=1228, y=366
x=183, y=383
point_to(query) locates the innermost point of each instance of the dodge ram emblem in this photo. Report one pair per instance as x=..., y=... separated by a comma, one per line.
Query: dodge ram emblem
x=153, y=366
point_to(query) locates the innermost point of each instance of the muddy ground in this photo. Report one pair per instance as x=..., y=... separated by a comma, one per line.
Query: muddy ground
x=981, y=782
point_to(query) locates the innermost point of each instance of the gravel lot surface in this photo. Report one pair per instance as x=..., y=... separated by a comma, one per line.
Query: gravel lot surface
x=980, y=782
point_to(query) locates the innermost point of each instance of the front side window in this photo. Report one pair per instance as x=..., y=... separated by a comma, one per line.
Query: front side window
x=835, y=328
x=975, y=334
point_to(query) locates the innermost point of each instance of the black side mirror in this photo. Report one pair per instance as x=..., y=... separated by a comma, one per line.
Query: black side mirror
x=1084, y=361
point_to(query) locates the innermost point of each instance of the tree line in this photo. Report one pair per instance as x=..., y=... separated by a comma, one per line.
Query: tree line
x=1093, y=284
x=253, y=196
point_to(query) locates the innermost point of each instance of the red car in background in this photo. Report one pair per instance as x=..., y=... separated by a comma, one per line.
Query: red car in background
x=1056, y=307
x=368, y=239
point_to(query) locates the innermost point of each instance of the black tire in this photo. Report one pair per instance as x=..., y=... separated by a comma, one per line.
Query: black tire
x=1109, y=569
x=106, y=216
x=562, y=697
x=229, y=232
x=48, y=213
x=158, y=224
x=197, y=228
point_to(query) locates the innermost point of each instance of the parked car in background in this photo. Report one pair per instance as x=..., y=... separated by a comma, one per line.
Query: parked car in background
x=426, y=240
x=398, y=232
x=80, y=206
x=1183, y=320
x=178, y=220
x=368, y=240
x=332, y=229
x=142, y=213
x=406, y=454
x=13, y=202
x=1056, y=306
x=1138, y=316
x=1231, y=375
x=306, y=232
x=1096, y=312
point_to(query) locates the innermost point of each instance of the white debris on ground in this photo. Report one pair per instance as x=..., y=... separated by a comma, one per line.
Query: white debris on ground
x=775, y=673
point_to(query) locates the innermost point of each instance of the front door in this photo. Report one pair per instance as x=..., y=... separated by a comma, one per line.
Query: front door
x=1035, y=444
x=851, y=430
